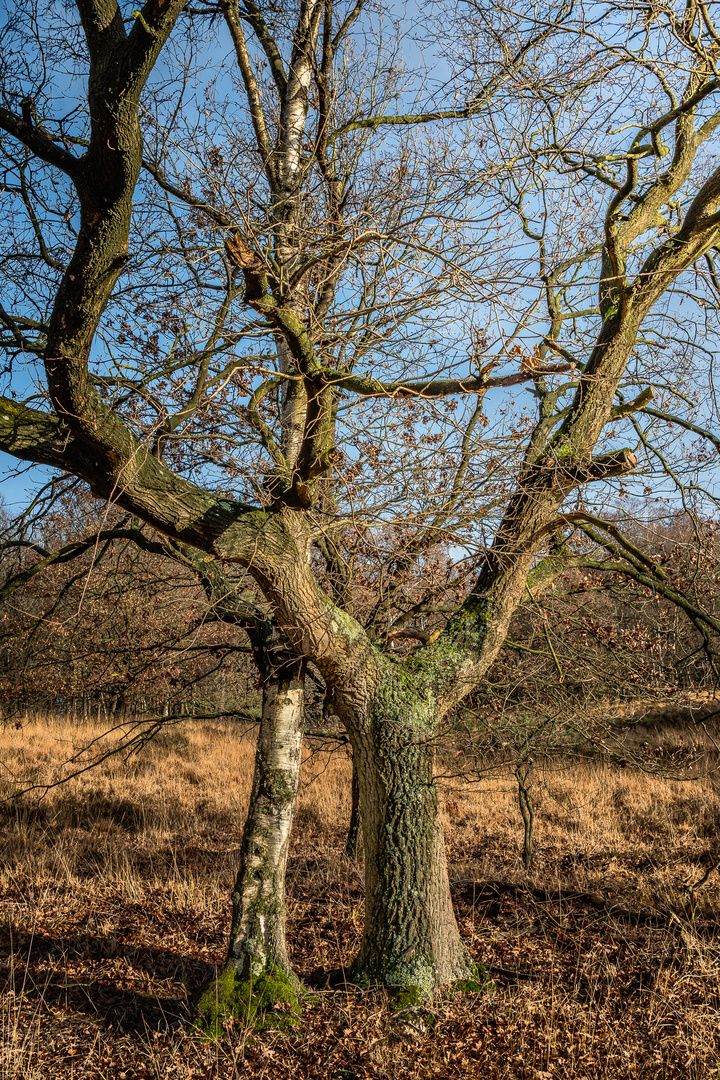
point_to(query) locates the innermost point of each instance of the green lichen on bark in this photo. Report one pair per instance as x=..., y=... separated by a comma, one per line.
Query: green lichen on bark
x=409, y=982
x=399, y=707
x=412, y=979
x=264, y=1000
x=414, y=944
x=275, y=786
x=412, y=984
x=437, y=664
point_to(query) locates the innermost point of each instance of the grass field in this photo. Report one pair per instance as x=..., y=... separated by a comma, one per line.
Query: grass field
x=114, y=906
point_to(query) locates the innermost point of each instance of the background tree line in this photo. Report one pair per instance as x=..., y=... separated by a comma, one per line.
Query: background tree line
x=93, y=623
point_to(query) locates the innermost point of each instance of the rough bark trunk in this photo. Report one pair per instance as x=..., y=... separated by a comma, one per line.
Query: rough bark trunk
x=411, y=940
x=353, y=833
x=257, y=974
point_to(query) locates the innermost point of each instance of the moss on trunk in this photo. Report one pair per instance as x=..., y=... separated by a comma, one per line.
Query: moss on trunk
x=263, y=997
x=256, y=985
x=411, y=940
x=257, y=933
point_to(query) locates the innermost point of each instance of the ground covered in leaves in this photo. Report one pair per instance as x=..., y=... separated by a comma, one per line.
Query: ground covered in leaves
x=602, y=961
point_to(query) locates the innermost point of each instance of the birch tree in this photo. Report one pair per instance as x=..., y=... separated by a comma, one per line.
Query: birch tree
x=139, y=630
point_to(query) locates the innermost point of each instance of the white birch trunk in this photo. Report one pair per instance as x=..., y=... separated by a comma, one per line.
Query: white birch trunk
x=257, y=973
x=257, y=934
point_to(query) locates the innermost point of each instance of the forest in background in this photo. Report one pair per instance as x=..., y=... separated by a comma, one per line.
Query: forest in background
x=96, y=623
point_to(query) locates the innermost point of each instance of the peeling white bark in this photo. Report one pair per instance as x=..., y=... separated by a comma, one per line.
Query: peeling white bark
x=295, y=111
x=257, y=935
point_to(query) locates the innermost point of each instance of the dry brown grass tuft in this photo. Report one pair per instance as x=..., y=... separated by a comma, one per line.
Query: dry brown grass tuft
x=114, y=891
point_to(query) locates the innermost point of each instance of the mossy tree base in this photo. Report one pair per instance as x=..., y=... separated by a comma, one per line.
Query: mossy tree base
x=416, y=1000
x=408, y=997
x=414, y=982
x=265, y=1000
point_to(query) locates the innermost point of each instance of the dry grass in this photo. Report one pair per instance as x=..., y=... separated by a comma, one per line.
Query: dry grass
x=114, y=891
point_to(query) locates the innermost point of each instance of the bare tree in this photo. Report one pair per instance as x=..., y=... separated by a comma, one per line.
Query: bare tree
x=273, y=341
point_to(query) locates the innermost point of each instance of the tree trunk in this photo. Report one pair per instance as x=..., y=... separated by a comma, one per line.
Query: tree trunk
x=527, y=811
x=257, y=973
x=411, y=939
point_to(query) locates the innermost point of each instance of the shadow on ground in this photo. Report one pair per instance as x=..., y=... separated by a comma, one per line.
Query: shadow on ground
x=133, y=988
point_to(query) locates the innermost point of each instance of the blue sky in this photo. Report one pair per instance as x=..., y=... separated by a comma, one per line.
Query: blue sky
x=21, y=481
